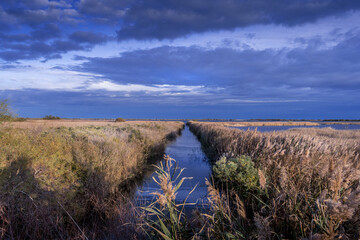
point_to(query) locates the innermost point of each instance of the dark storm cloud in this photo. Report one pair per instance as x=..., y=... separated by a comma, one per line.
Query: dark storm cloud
x=35, y=17
x=35, y=3
x=88, y=37
x=30, y=21
x=5, y=20
x=43, y=33
x=303, y=73
x=107, y=11
x=37, y=50
x=171, y=18
x=38, y=29
x=48, y=31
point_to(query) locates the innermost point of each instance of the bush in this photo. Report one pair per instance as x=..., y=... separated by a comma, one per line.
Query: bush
x=238, y=173
x=119, y=120
x=5, y=112
x=51, y=117
x=19, y=119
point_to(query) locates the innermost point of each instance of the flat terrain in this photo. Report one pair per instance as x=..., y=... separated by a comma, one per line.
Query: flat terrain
x=256, y=124
x=33, y=123
x=282, y=123
x=75, y=179
x=70, y=179
x=299, y=184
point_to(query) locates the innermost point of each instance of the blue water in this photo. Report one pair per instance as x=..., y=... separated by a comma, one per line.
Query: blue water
x=282, y=128
x=187, y=152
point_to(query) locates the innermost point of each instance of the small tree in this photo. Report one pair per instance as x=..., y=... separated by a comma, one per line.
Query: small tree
x=5, y=112
x=119, y=120
x=51, y=117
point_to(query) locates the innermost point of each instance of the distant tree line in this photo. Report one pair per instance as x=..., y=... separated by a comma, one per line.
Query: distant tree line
x=51, y=117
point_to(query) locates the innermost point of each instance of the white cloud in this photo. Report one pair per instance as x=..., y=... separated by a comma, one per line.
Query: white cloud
x=41, y=78
x=165, y=88
x=20, y=78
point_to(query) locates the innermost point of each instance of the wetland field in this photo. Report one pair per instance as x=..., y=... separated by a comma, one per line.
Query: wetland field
x=101, y=179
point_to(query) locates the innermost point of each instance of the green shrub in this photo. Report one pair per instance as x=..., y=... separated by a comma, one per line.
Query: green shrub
x=5, y=112
x=119, y=120
x=51, y=117
x=238, y=174
x=19, y=119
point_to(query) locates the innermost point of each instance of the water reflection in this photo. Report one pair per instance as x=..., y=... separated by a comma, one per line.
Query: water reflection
x=187, y=152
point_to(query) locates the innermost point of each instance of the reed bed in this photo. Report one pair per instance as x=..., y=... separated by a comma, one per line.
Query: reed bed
x=328, y=132
x=300, y=184
x=341, y=123
x=72, y=182
x=258, y=124
x=41, y=123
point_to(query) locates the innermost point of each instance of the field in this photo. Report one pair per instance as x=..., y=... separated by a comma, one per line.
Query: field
x=75, y=179
x=275, y=123
x=342, y=123
x=298, y=184
x=69, y=179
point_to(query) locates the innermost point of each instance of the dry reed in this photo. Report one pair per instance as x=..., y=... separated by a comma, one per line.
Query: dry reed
x=258, y=124
x=72, y=182
x=310, y=179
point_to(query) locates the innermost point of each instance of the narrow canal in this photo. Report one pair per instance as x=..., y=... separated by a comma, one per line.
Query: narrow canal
x=187, y=152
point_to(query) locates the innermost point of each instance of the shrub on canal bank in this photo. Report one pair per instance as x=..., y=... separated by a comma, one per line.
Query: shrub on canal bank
x=310, y=182
x=238, y=174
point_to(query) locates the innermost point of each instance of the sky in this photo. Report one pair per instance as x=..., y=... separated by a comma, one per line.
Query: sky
x=239, y=59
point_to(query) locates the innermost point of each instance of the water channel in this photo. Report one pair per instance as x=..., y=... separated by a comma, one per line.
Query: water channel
x=187, y=152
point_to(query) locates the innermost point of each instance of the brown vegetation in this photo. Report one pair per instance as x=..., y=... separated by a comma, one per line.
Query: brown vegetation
x=51, y=117
x=119, y=120
x=341, y=123
x=274, y=123
x=41, y=123
x=69, y=182
x=304, y=183
x=328, y=133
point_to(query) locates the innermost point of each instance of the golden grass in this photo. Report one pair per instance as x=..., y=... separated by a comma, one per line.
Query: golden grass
x=310, y=180
x=341, y=123
x=65, y=179
x=40, y=123
x=327, y=133
x=258, y=124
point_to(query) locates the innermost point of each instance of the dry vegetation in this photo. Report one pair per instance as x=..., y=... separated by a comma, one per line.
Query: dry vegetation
x=299, y=184
x=328, y=133
x=67, y=179
x=269, y=123
x=36, y=123
x=341, y=123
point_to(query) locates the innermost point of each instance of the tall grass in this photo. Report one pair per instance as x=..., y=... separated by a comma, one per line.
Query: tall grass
x=269, y=123
x=165, y=217
x=294, y=184
x=68, y=182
